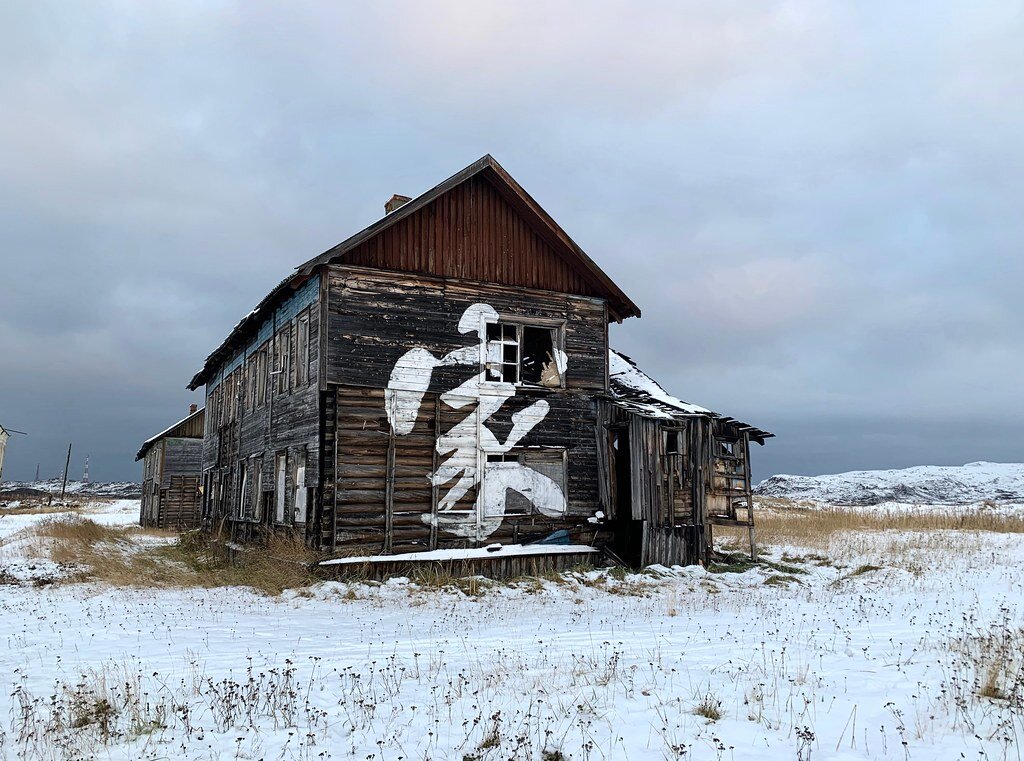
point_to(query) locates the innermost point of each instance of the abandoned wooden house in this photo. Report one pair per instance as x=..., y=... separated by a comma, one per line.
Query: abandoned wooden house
x=171, y=473
x=442, y=380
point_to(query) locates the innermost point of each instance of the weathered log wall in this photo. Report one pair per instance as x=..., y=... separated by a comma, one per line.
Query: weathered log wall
x=382, y=494
x=265, y=402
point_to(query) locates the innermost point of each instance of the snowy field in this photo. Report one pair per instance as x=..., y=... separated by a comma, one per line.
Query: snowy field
x=876, y=645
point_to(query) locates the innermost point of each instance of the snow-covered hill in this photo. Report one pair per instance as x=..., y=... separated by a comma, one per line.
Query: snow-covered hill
x=924, y=484
x=121, y=489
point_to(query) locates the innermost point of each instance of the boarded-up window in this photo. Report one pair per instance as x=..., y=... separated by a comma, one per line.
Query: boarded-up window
x=250, y=384
x=280, y=485
x=261, y=377
x=302, y=349
x=549, y=463
x=282, y=359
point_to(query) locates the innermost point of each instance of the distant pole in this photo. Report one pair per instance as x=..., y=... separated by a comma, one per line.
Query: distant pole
x=66, y=466
x=85, y=476
x=37, y=472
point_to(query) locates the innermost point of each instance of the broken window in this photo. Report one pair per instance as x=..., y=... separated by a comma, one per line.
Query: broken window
x=672, y=442
x=299, y=493
x=243, y=499
x=256, y=507
x=523, y=354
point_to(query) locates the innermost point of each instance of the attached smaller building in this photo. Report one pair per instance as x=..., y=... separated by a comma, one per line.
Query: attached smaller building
x=172, y=463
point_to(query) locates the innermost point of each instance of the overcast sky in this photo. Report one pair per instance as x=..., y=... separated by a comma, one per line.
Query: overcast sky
x=819, y=207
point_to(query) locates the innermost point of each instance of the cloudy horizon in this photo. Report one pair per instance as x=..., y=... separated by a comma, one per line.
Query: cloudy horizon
x=815, y=205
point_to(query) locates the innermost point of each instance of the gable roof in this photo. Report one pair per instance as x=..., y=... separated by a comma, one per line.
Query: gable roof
x=633, y=389
x=175, y=430
x=620, y=306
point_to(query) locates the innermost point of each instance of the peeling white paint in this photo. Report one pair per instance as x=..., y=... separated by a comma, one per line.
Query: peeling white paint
x=468, y=443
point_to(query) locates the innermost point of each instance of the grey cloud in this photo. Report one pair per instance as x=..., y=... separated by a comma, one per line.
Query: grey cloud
x=816, y=205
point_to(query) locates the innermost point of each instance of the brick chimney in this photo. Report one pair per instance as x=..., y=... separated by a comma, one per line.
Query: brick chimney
x=192, y=409
x=395, y=202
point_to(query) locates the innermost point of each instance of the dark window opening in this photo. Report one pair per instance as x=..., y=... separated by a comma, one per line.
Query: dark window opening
x=540, y=364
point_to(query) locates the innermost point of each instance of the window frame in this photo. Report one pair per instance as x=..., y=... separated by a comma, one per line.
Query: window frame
x=557, y=328
x=522, y=456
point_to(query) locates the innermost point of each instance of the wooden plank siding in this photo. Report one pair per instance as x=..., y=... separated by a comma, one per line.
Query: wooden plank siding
x=472, y=233
x=170, y=489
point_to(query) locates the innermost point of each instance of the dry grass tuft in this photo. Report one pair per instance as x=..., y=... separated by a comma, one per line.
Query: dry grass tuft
x=709, y=707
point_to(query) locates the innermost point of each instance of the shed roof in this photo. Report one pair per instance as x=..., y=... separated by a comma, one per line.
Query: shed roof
x=176, y=430
x=633, y=389
x=620, y=306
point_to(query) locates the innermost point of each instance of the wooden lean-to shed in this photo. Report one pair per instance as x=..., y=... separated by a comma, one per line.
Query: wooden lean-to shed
x=674, y=470
x=438, y=381
x=171, y=471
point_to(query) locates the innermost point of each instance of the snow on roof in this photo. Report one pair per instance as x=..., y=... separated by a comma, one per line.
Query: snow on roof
x=632, y=388
x=151, y=441
x=494, y=551
x=632, y=385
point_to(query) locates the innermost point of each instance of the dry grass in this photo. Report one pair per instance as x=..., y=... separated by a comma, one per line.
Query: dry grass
x=787, y=523
x=115, y=556
x=779, y=526
x=37, y=509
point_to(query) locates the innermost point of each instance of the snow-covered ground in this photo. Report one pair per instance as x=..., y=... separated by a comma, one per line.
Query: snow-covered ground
x=925, y=484
x=835, y=661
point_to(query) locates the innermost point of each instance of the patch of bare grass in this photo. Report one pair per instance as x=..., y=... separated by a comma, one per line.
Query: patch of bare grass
x=37, y=509
x=115, y=556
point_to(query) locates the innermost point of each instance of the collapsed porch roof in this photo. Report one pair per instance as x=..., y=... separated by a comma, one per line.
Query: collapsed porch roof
x=634, y=390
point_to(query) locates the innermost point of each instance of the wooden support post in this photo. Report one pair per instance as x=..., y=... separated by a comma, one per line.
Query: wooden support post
x=749, y=495
x=67, y=464
x=389, y=494
x=433, y=469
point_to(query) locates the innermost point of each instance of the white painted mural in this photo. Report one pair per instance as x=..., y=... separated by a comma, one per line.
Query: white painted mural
x=465, y=448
